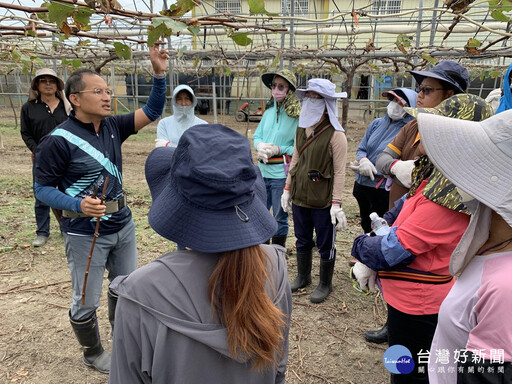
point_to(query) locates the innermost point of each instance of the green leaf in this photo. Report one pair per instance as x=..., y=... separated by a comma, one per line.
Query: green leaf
x=242, y=39
x=163, y=27
x=76, y=63
x=495, y=74
x=123, y=51
x=194, y=29
x=59, y=12
x=179, y=8
x=44, y=15
x=499, y=16
x=276, y=60
x=60, y=36
x=16, y=55
x=30, y=32
x=84, y=43
x=82, y=17
x=403, y=40
x=426, y=56
x=226, y=70
x=258, y=6
x=180, y=52
x=38, y=61
x=473, y=43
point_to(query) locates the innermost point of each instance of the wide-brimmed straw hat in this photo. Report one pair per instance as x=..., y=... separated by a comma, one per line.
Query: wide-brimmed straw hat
x=475, y=156
x=449, y=71
x=207, y=193
x=323, y=87
x=268, y=77
x=46, y=72
x=462, y=106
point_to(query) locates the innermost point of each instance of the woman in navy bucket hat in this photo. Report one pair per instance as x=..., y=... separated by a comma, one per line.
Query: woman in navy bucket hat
x=209, y=196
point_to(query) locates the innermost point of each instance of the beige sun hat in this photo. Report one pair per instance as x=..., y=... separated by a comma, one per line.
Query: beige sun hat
x=46, y=72
x=33, y=91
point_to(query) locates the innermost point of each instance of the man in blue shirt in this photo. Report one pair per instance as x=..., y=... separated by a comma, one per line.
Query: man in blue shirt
x=73, y=163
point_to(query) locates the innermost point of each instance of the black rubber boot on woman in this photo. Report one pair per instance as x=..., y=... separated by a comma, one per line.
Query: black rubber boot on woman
x=378, y=337
x=324, y=288
x=303, y=279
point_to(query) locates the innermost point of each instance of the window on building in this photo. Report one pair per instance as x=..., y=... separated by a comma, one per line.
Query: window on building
x=301, y=7
x=386, y=7
x=233, y=6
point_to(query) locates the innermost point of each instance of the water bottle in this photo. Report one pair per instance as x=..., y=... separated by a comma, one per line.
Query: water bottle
x=379, y=226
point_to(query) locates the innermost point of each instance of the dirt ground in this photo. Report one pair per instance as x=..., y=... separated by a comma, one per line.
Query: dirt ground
x=36, y=341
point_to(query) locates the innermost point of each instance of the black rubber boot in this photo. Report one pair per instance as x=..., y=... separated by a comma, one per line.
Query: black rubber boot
x=87, y=333
x=279, y=240
x=325, y=286
x=378, y=337
x=303, y=279
x=112, y=302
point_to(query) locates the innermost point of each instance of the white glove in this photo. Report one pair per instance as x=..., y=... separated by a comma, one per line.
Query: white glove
x=366, y=168
x=273, y=151
x=365, y=276
x=161, y=143
x=354, y=165
x=338, y=217
x=286, y=203
x=263, y=151
x=402, y=171
x=262, y=155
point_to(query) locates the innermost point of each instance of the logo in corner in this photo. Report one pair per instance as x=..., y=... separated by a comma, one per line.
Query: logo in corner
x=398, y=359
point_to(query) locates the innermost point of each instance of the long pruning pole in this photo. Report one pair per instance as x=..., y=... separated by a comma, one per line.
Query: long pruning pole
x=96, y=234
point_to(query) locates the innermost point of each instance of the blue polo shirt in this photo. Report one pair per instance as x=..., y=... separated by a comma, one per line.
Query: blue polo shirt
x=76, y=160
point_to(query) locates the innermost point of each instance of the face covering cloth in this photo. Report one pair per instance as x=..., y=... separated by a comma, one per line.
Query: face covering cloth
x=395, y=110
x=311, y=112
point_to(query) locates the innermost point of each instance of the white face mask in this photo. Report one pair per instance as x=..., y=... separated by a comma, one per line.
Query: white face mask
x=311, y=112
x=395, y=110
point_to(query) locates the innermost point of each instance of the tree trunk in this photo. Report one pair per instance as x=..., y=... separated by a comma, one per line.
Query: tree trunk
x=348, y=88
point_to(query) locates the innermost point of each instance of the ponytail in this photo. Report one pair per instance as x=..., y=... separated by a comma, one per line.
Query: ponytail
x=238, y=296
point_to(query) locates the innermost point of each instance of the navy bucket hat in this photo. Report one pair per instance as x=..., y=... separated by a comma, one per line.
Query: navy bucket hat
x=207, y=193
x=448, y=71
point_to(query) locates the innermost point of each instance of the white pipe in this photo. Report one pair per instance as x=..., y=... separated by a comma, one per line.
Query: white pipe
x=338, y=30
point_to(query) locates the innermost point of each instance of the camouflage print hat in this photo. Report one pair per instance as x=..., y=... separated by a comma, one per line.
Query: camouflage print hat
x=286, y=74
x=462, y=106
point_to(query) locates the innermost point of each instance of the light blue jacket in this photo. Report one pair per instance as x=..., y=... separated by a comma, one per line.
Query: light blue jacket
x=379, y=133
x=277, y=128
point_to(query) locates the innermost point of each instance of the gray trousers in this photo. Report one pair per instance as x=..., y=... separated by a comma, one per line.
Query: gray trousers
x=116, y=252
